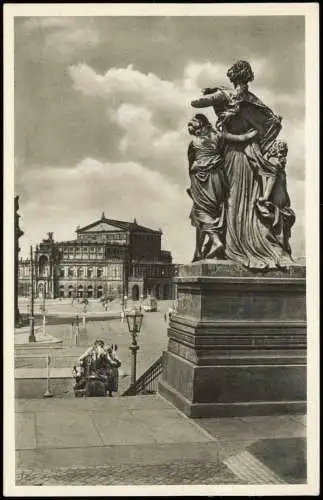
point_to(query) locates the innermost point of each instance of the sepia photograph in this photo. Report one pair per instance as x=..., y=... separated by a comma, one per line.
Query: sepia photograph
x=161, y=249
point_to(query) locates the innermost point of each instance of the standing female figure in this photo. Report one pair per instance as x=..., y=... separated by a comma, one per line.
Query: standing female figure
x=208, y=184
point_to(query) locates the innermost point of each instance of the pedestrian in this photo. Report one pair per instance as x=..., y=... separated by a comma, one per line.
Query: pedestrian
x=165, y=317
x=113, y=369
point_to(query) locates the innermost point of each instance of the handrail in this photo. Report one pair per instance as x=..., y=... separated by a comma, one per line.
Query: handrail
x=146, y=383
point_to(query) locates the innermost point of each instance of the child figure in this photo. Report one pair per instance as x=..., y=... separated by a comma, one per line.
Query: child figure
x=277, y=156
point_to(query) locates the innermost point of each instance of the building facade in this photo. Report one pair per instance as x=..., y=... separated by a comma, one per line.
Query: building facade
x=108, y=258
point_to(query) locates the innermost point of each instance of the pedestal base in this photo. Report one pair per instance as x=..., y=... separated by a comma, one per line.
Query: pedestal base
x=233, y=390
x=237, y=345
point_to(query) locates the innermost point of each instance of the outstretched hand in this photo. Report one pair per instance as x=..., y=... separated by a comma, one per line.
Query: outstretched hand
x=207, y=91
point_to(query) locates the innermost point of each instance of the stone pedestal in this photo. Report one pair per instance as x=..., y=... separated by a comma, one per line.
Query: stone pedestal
x=237, y=344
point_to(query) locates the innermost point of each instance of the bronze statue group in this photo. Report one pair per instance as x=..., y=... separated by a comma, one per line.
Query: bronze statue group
x=98, y=371
x=241, y=208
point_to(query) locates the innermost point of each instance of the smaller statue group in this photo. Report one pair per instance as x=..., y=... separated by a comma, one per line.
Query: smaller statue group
x=97, y=373
x=241, y=207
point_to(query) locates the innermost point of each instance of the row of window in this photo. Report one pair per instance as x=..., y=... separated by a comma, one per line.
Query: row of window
x=84, y=256
x=104, y=237
x=109, y=287
x=148, y=270
x=146, y=238
x=91, y=254
x=79, y=250
x=89, y=272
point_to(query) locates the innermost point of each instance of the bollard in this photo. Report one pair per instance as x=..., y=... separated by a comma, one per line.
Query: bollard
x=48, y=394
x=77, y=332
x=84, y=319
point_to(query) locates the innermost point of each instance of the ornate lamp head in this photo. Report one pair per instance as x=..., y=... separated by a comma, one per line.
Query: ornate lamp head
x=134, y=321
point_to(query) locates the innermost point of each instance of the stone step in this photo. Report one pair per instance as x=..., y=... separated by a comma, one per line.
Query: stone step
x=145, y=454
x=187, y=472
x=146, y=430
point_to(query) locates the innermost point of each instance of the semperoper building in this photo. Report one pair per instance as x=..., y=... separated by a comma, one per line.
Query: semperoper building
x=108, y=258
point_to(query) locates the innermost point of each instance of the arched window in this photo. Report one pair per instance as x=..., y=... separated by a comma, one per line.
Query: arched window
x=80, y=291
x=71, y=291
x=71, y=272
x=100, y=291
x=61, y=291
x=166, y=292
x=135, y=292
x=40, y=290
x=90, y=291
x=43, y=266
x=89, y=272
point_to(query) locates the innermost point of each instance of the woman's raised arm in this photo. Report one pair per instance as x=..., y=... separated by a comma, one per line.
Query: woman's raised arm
x=202, y=102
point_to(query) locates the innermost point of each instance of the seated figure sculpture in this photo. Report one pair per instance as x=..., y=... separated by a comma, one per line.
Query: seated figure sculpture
x=91, y=374
x=97, y=372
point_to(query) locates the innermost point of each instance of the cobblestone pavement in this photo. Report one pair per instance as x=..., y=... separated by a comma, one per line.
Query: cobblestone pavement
x=183, y=473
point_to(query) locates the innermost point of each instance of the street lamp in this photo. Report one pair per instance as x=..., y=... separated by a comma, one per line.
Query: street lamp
x=134, y=321
x=31, y=337
x=76, y=324
x=84, y=315
x=43, y=310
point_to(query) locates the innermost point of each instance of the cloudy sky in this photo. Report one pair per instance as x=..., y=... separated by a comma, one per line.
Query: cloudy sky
x=101, y=106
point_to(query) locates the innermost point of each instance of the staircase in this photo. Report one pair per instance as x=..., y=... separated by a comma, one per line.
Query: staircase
x=147, y=383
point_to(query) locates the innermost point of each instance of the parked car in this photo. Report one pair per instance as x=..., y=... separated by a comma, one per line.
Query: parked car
x=150, y=304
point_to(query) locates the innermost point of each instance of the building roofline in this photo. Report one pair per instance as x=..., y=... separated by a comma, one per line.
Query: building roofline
x=118, y=224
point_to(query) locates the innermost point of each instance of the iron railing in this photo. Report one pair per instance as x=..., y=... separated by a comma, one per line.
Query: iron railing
x=147, y=383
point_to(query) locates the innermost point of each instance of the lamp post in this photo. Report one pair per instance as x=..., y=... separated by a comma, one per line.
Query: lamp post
x=76, y=323
x=32, y=337
x=84, y=315
x=44, y=311
x=134, y=321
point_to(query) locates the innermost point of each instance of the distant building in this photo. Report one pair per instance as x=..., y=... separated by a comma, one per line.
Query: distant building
x=108, y=258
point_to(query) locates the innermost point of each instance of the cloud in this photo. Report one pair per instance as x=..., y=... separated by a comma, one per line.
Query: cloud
x=119, y=85
x=78, y=194
x=60, y=37
x=152, y=113
x=38, y=23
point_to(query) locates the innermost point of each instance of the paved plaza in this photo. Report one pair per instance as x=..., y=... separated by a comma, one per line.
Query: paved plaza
x=145, y=440
x=152, y=338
